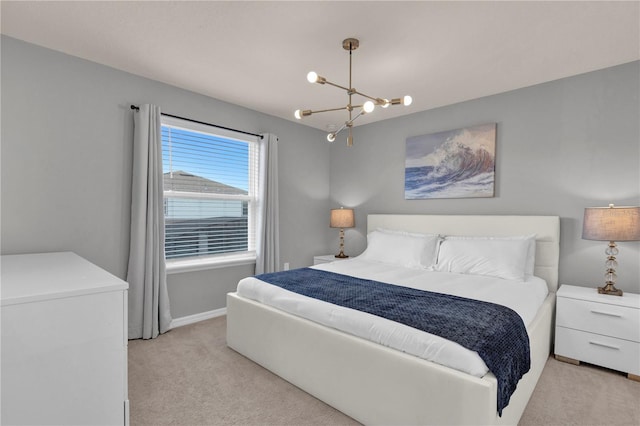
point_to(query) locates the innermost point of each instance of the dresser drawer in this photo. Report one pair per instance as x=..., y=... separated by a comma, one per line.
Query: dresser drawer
x=617, y=354
x=600, y=318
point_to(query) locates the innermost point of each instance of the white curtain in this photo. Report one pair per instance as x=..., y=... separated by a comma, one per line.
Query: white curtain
x=148, y=297
x=268, y=231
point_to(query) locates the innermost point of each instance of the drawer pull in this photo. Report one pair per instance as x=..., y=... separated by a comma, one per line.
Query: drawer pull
x=604, y=345
x=609, y=314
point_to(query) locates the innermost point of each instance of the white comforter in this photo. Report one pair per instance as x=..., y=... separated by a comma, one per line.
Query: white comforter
x=523, y=297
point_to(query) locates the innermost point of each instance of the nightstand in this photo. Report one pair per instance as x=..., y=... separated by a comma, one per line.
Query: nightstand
x=598, y=329
x=326, y=258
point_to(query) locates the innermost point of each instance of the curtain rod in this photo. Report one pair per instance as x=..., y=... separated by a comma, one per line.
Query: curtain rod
x=134, y=107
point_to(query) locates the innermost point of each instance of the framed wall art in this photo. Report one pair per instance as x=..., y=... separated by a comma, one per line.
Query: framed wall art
x=451, y=164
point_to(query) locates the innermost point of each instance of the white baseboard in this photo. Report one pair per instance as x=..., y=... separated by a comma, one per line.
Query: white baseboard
x=190, y=319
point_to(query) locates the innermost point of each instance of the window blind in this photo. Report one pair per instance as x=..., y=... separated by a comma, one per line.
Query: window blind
x=210, y=178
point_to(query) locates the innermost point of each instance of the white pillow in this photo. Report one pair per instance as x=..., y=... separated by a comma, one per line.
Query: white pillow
x=506, y=257
x=531, y=254
x=402, y=248
x=430, y=254
x=531, y=250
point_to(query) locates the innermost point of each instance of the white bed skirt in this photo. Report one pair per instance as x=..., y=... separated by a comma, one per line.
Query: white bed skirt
x=372, y=383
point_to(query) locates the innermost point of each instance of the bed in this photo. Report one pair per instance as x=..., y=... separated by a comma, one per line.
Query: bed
x=377, y=384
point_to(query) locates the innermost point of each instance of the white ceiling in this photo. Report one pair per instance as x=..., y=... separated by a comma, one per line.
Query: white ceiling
x=257, y=54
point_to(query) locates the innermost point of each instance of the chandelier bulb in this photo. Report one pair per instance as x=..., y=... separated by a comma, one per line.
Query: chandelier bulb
x=312, y=77
x=298, y=114
x=368, y=106
x=407, y=100
x=331, y=137
x=385, y=103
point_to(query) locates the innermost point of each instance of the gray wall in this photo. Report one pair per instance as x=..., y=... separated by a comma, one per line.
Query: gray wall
x=561, y=146
x=66, y=167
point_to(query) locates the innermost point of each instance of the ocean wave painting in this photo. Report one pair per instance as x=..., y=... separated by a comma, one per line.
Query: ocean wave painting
x=452, y=164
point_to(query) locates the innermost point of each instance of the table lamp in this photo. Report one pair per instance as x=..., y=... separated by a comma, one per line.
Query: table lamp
x=611, y=224
x=342, y=218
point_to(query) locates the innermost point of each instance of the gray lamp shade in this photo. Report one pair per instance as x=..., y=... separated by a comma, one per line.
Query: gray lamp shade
x=611, y=223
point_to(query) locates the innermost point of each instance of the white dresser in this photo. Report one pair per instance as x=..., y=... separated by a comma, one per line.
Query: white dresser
x=64, y=342
x=598, y=329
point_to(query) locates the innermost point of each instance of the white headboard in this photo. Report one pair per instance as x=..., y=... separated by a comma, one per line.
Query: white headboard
x=546, y=228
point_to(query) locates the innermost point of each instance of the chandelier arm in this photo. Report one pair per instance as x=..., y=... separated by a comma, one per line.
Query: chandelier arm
x=330, y=109
x=344, y=126
x=335, y=133
x=346, y=89
x=362, y=112
x=366, y=96
x=380, y=101
x=348, y=124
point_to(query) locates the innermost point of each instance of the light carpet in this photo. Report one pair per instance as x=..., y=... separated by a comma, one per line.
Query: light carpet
x=189, y=376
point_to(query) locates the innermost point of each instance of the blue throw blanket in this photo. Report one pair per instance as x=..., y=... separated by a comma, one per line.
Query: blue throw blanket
x=495, y=332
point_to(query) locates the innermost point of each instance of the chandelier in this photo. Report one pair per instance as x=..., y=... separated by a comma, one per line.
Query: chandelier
x=368, y=106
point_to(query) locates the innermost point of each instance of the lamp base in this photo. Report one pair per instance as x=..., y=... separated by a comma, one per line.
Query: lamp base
x=341, y=255
x=609, y=289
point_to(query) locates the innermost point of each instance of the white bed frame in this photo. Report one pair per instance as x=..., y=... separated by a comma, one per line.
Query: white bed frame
x=375, y=384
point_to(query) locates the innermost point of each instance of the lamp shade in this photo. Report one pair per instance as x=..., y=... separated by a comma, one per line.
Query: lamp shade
x=342, y=218
x=611, y=223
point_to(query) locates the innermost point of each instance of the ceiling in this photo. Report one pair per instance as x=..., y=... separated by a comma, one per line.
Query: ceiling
x=257, y=54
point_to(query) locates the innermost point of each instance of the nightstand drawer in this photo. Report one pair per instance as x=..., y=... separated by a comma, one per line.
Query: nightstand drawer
x=617, y=354
x=600, y=318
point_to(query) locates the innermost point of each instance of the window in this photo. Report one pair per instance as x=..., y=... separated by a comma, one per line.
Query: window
x=210, y=190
